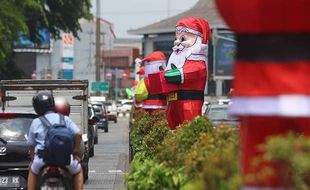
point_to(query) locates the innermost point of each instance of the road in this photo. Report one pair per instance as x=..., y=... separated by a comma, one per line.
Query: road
x=107, y=169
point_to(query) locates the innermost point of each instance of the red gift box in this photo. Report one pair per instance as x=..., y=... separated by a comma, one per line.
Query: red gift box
x=159, y=85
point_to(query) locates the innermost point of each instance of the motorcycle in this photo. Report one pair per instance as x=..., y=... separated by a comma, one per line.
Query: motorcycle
x=54, y=178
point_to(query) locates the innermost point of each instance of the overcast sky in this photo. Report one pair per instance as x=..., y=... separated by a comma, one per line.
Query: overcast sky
x=132, y=14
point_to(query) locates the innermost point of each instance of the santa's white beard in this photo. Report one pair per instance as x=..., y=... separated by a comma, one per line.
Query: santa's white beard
x=178, y=59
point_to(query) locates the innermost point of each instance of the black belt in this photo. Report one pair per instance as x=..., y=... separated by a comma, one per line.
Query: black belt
x=156, y=97
x=283, y=47
x=186, y=95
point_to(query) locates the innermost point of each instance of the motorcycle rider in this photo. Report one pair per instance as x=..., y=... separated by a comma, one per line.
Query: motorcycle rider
x=44, y=104
x=62, y=106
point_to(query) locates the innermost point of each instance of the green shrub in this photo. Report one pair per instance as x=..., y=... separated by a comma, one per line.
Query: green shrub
x=138, y=130
x=194, y=156
x=213, y=162
x=293, y=153
x=147, y=174
x=148, y=131
x=173, y=149
x=155, y=137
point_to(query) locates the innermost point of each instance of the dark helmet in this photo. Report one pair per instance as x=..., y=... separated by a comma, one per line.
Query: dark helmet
x=43, y=102
x=62, y=106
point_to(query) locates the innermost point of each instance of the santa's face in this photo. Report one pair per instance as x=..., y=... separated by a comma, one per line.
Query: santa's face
x=185, y=45
x=183, y=40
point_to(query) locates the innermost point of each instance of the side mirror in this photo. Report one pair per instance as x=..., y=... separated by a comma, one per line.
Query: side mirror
x=93, y=120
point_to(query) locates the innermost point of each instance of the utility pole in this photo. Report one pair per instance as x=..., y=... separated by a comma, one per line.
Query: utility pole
x=102, y=55
x=98, y=49
x=116, y=74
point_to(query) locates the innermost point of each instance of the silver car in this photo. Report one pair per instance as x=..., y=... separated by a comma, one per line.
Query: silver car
x=217, y=114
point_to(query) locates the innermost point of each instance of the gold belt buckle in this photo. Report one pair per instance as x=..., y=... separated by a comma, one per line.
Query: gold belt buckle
x=172, y=96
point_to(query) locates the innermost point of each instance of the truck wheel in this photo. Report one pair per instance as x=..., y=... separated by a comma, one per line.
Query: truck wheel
x=106, y=129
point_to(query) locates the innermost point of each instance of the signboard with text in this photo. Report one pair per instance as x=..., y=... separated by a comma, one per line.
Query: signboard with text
x=100, y=86
x=67, y=55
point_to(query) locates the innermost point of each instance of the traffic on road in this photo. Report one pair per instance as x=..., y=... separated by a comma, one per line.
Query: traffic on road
x=103, y=151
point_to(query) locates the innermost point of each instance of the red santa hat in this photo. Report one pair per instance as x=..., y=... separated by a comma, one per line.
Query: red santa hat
x=154, y=61
x=154, y=56
x=141, y=71
x=195, y=25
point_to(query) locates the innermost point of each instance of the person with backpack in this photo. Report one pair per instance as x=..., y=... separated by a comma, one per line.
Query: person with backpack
x=41, y=145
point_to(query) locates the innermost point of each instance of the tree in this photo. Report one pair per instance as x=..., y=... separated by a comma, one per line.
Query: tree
x=29, y=16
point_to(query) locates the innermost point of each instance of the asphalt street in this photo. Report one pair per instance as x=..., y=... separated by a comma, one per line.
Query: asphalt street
x=107, y=169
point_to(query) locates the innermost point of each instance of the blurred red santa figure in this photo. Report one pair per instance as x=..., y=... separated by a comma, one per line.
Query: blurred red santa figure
x=187, y=69
x=271, y=79
x=153, y=63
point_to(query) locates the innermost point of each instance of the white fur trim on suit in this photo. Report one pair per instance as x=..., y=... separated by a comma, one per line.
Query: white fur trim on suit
x=153, y=107
x=284, y=105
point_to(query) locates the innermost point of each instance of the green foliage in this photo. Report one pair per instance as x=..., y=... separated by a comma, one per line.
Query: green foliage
x=12, y=21
x=155, y=138
x=29, y=16
x=63, y=15
x=148, y=131
x=173, y=150
x=195, y=156
x=214, y=161
x=137, y=132
x=147, y=174
x=293, y=153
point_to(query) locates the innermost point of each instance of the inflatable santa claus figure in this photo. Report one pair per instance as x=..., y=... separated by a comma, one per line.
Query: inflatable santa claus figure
x=154, y=62
x=187, y=70
x=271, y=81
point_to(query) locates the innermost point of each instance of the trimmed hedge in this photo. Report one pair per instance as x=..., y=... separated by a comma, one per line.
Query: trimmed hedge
x=198, y=156
x=179, y=159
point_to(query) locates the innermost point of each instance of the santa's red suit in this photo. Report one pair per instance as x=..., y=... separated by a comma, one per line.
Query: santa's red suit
x=187, y=68
x=153, y=63
x=271, y=78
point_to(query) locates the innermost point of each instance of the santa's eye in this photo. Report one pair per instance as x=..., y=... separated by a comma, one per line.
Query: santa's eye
x=182, y=38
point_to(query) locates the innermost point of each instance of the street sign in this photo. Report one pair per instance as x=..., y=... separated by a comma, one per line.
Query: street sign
x=100, y=86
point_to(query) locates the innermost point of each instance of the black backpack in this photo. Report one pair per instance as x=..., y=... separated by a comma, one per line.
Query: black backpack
x=59, y=142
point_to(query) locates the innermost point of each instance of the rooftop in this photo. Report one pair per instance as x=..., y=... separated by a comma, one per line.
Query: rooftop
x=203, y=8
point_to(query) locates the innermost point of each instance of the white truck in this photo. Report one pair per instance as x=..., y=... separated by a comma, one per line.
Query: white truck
x=16, y=95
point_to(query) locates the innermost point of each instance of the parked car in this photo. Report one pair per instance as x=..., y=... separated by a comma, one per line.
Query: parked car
x=101, y=113
x=217, y=114
x=92, y=130
x=111, y=111
x=125, y=107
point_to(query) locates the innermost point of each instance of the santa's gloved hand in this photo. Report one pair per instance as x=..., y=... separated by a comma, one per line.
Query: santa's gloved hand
x=173, y=75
